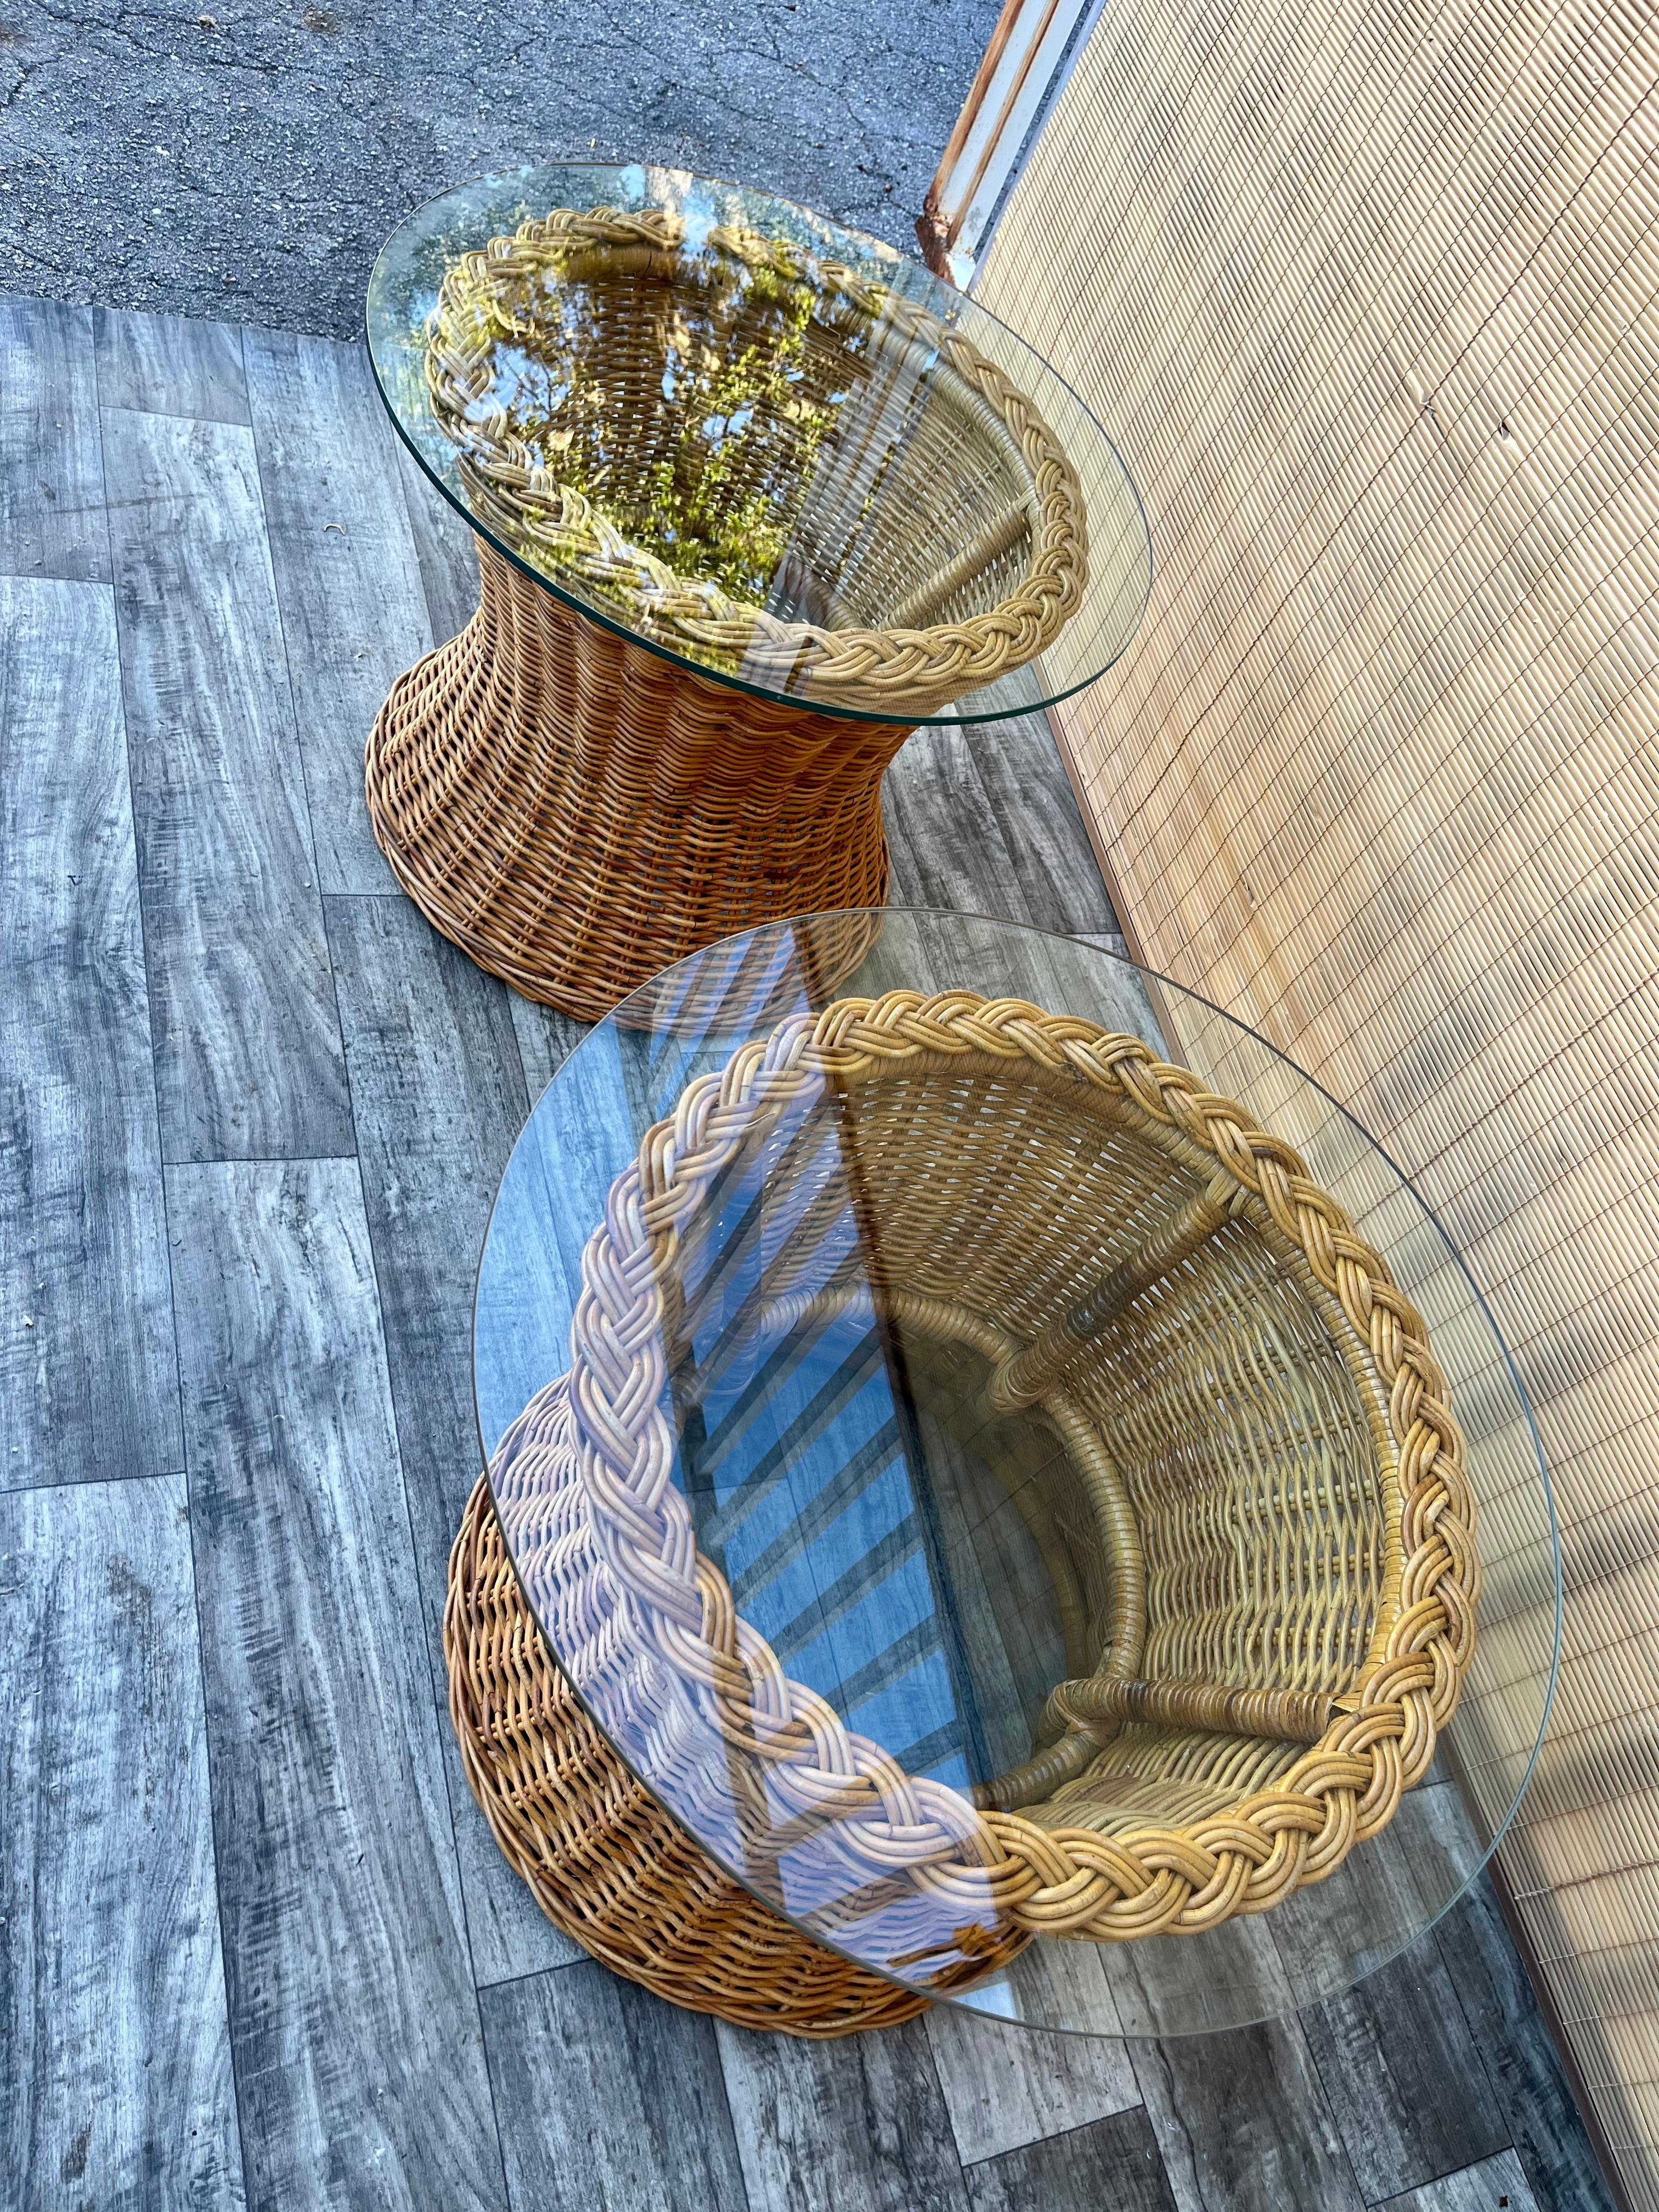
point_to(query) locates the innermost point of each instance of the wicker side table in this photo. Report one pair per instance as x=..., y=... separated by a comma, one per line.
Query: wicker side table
x=753, y=498
x=996, y=1498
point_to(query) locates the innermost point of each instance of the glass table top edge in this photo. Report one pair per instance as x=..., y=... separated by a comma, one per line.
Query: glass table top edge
x=383, y=344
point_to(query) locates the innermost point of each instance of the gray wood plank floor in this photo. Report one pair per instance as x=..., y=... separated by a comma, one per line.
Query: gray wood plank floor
x=88, y=1383
x=1114, y=2163
x=52, y=516
x=348, y=577
x=357, y=2045
x=256, y=1946
x=247, y=1048
x=167, y=365
x=116, y=2085
x=606, y=2097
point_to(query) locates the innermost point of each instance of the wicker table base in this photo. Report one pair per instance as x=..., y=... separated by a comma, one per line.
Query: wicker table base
x=604, y=1862
x=577, y=813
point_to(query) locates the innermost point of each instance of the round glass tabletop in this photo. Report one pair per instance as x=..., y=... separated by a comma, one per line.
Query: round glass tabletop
x=760, y=445
x=988, y=1512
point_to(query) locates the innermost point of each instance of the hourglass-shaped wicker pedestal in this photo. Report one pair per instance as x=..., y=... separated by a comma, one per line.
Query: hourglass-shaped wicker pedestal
x=577, y=813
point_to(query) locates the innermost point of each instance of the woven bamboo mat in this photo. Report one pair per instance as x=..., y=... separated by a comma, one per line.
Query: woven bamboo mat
x=1369, y=297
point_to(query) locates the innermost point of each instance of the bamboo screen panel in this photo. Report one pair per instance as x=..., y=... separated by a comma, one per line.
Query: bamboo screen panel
x=1367, y=294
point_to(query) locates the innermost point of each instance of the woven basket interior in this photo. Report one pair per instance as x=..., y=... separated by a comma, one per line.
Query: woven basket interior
x=765, y=434
x=1237, y=1406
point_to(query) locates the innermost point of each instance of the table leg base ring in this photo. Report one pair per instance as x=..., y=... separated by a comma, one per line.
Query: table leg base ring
x=606, y=1864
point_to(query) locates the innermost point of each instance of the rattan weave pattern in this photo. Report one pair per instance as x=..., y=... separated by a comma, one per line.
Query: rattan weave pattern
x=605, y=1862
x=980, y=460
x=577, y=813
x=635, y=1545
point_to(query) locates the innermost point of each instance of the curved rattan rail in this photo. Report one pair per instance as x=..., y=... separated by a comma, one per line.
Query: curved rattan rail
x=514, y=488
x=909, y=1830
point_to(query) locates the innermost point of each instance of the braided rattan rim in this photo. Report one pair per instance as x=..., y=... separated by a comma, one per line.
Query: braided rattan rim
x=1064, y=1881
x=512, y=490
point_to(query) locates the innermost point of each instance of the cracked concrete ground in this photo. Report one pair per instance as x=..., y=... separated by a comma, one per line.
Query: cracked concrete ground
x=246, y=158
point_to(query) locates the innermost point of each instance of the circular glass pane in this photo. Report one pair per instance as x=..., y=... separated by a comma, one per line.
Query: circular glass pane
x=910, y=1305
x=767, y=447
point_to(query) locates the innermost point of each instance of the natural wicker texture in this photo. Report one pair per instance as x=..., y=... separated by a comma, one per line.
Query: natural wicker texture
x=1273, y=1482
x=577, y=813
x=605, y=1862
x=900, y=505
x=1380, y=330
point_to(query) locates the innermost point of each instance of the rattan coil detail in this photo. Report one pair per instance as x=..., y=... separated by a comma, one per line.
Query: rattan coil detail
x=514, y=488
x=634, y=1539
x=577, y=813
x=608, y=1867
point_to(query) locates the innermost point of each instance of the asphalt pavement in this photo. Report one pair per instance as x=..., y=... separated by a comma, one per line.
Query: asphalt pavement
x=246, y=161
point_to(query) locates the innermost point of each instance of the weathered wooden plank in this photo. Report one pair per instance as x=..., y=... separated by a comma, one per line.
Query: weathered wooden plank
x=115, y=2073
x=1403, y=2077
x=946, y=846
x=1401, y=2071
x=170, y=365
x=359, y=2051
x=52, y=468
x=551, y=1200
x=607, y=2097
x=1031, y=801
x=446, y=549
x=1181, y=1986
x=1495, y=2182
x=88, y=1384
x=546, y=1040
x=1499, y=2004
x=347, y=581
x=959, y=950
x=823, y=2126
x=1243, y=2123
x=1333, y=1934
x=247, y=1050
x=1008, y=2086
x=438, y=1098
x=1112, y=2166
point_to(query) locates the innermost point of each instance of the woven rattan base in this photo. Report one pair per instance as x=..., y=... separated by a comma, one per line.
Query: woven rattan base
x=604, y=1862
x=577, y=813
